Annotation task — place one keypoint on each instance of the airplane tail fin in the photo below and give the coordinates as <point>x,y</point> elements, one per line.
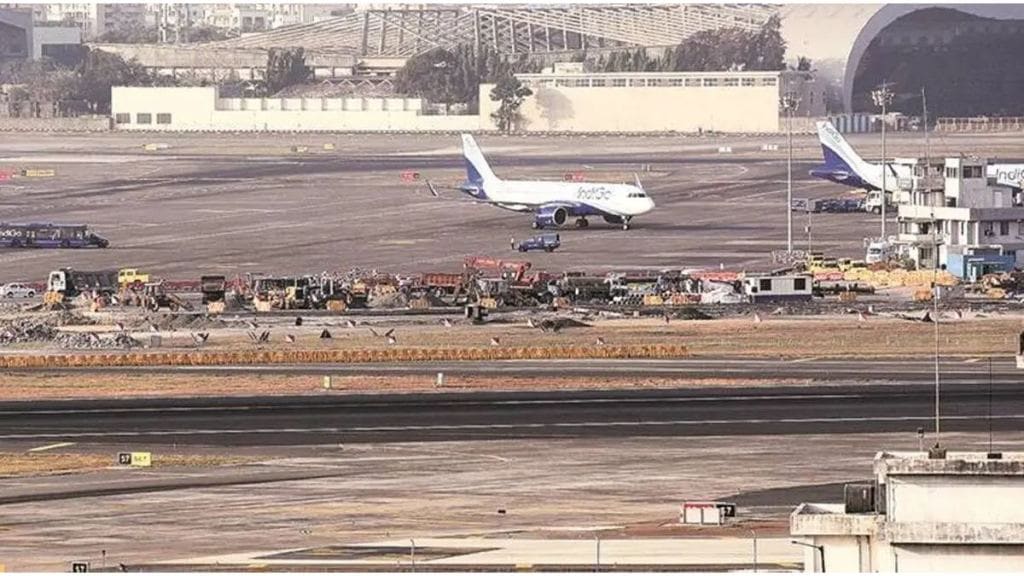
<point>477,170</point>
<point>839,155</point>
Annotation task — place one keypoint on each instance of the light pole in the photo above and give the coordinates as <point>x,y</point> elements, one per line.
<point>882,97</point>
<point>754,534</point>
<point>412,553</point>
<point>818,547</point>
<point>789,104</point>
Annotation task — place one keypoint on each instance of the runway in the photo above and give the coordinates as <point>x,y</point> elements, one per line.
<point>306,420</point>
<point>821,370</point>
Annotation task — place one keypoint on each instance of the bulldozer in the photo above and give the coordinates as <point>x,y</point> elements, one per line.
<point>155,297</point>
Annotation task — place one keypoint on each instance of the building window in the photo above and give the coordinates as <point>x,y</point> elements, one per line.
<point>597,83</point>
<point>769,81</point>
<point>800,284</point>
<point>562,83</point>
<point>143,118</point>
<point>693,83</point>
<point>731,82</point>
<point>637,82</point>
<point>1020,228</point>
<point>163,118</point>
<point>951,172</point>
<point>711,82</point>
<point>972,172</point>
<point>1004,228</point>
<point>618,82</point>
<point>765,285</point>
<point>747,82</point>
<point>123,118</point>
<point>675,81</point>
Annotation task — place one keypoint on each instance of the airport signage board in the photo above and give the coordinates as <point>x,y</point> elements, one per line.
<point>79,566</point>
<point>137,459</point>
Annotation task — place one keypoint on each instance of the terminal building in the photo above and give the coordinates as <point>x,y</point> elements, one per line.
<point>956,512</point>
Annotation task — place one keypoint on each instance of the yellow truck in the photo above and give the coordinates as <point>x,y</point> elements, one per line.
<point>131,277</point>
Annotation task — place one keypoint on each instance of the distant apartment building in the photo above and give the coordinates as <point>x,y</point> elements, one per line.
<point>92,19</point>
<point>21,39</point>
<point>952,215</point>
<point>923,512</point>
<point>247,18</point>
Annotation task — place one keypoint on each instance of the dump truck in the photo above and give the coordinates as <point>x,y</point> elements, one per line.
<point>213,288</point>
<point>69,282</point>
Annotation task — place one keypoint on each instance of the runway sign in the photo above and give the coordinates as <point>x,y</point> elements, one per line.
<point>137,459</point>
<point>79,566</point>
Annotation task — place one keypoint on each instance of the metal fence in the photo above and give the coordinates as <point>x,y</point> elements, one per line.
<point>981,124</point>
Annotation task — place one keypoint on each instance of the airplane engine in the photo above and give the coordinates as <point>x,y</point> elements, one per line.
<point>551,217</point>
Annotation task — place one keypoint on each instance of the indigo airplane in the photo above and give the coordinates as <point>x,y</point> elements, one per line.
<point>552,203</point>
<point>844,166</point>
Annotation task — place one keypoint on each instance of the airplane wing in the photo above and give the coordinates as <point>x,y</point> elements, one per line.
<point>437,191</point>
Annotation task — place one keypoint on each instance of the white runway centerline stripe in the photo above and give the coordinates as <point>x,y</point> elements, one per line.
<point>535,426</point>
<point>51,446</point>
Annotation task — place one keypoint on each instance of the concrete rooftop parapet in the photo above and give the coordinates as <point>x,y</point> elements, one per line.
<point>831,520</point>
<point>954,533</point>
<point>954,464</point>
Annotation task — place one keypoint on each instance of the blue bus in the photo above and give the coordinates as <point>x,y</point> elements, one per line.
<point>37,235</point>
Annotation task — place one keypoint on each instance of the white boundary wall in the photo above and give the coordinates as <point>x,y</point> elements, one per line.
<point>199,109</point>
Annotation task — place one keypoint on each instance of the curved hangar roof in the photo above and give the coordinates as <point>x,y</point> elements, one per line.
<point>836,36</point>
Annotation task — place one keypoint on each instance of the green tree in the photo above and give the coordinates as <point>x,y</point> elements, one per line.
<point>99,71</point>
<point>766,48</point>
<point>131,34</point>
<point>803,64</point>
<point>285,67</point>
<point>511,93</point>
<point>437,75</point>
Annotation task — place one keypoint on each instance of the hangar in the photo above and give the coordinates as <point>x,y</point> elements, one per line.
<point>950,49</point>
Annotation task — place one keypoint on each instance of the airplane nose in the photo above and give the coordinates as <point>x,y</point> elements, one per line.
<point>650,205</point>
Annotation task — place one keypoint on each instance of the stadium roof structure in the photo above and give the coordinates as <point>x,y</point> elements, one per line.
<point>508,29</point>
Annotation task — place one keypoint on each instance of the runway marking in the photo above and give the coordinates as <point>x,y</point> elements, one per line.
<point>51,446</point>
<point>187,409</point>
<point>536,426</point>
<point>972,360</point>
<point>802,360</point>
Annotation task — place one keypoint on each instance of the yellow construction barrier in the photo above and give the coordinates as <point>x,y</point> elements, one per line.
<point>339,356</point>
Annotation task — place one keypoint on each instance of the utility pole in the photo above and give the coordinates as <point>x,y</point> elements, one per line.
<point>882,97</point>
<point>789,104</point>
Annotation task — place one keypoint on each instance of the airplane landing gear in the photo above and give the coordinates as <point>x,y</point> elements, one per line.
<point>582,223</point>
<point>625,223</point>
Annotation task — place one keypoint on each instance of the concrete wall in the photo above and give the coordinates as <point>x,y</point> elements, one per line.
<point>641,109</point>
<point>200,109</point>
<point>974,500</point>
<point>82,124</point>
<point>739,102</point>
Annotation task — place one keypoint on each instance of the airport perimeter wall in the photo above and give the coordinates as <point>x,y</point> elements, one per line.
<point>81,124</point>
<point>200,109</point>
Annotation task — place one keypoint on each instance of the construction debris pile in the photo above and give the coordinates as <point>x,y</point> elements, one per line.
<point>27,329</point>
<point>94,341</point>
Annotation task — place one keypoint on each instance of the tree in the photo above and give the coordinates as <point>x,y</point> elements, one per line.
<point>767,49</point>
<point>437,75</point>
<point>511,93</point>
<point>803,64</point>
<point>131,34</point>
<point>99,71</point>
<point>285,67</point>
